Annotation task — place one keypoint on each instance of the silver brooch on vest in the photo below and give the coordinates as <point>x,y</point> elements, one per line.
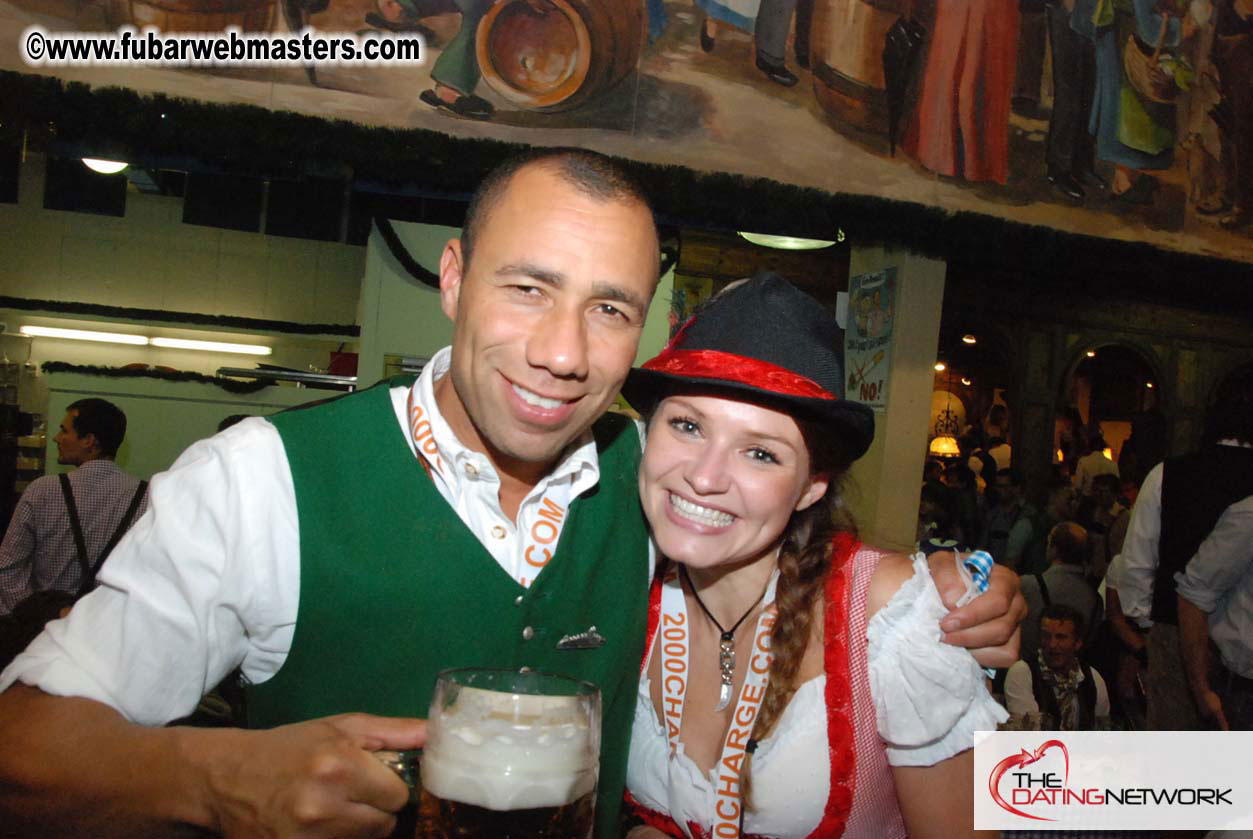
<point>589,639</point>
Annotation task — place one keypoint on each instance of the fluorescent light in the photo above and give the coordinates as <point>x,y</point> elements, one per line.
<point>211,346</point>
<point>104,167</point>
<point>790,243</point>
<point>84,335</point>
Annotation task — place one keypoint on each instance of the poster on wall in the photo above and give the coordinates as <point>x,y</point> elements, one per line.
<point>689,292</point>
<point>868,337</point>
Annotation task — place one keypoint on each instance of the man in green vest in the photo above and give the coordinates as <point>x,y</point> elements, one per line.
<point>485,514</point>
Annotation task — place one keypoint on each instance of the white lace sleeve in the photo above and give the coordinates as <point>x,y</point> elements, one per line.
<point>930,697</point>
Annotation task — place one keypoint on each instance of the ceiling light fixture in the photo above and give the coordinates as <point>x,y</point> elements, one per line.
<point>790,243</point>
<point>1090,353</point>
<point>104,167</point>
<point>940,367</point>
<point>84,335</point>
<point>1148,384</point>
<point>969,339</point>
<point>966,381</point>
<point>211,346</point>
<point>143,340</point>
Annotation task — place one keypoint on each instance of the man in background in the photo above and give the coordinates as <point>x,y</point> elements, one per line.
<point>1064,582</point>
<point>1216,615</point>
<point>40,551</point>
<point>1180,502</point>
<point>1054,681</point>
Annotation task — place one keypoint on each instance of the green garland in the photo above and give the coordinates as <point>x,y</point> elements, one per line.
<point>160,130</point>
<point>126,313</point>
<point>228,385</point>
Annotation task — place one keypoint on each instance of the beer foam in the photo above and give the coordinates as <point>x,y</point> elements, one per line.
<point>509,752</point>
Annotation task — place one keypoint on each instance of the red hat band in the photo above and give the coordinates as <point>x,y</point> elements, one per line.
<point>727,367</point>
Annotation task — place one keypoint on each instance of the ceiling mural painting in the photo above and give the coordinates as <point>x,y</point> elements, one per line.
<point>1125,119</point>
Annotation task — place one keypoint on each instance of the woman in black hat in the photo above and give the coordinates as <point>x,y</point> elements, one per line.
<point>795,685</point>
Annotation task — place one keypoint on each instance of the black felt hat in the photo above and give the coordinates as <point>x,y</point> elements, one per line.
<point>769,341</point>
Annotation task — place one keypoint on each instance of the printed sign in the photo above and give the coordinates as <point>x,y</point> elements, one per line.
<point>1113,780</point>
<point>868,337</point>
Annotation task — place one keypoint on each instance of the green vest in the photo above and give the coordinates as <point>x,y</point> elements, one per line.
<point>395,588</point>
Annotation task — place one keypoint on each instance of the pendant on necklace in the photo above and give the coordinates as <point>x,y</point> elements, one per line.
<point>726,667</point>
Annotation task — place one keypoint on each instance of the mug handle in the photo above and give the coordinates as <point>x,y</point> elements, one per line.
<point>405,764</point>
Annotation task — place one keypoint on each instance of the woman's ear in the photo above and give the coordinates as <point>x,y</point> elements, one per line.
<point>816,489</point>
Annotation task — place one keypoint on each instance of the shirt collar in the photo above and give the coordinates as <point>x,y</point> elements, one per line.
<point>579,462</point>
<point>99,464</point>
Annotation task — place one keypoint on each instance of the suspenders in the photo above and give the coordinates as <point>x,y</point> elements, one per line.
<point>90,569</point>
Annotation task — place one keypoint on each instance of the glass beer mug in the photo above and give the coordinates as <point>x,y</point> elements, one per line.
<point>509,755</point>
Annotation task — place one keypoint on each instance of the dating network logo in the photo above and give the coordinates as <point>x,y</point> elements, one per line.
<point>1025,780</point>
<point>1034,782</point>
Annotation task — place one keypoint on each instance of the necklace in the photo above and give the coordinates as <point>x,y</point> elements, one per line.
<point>726,641</point>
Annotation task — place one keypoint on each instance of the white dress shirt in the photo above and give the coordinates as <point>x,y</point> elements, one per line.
<point>1140,547</point>
<point>209,577</point>
<point>1218,580</point>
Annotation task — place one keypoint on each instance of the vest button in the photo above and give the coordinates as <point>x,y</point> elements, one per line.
<point>517,601</point>
<point>528,633</point>
<point>498,532</point>
<point>472,471</point>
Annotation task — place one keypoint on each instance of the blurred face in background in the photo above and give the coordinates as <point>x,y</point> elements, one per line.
<point>1060,644</point>
<point>1061,505</point>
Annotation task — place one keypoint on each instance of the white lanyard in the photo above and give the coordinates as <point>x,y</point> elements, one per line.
<point>539,541</point>
<point>674,641</point>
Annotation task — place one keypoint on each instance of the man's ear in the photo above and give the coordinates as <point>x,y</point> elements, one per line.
<point>91,440</point>
<point>451,266</point>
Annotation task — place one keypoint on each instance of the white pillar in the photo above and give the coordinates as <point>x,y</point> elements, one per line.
<point>884,489</point>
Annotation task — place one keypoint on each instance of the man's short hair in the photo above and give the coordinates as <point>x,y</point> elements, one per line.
<point>1062,612</point>
<point>591,173</point>
<point>103,419</point>
<point>1231,415</point>
<point>1109,481</point>
<point>1069,542</point>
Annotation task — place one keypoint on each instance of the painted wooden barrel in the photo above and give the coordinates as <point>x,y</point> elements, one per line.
<point>846,48</point>
<point>192,15</point>
<point>552,55</point>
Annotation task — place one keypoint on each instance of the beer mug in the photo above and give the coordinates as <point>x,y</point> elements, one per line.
<point>509,755</point>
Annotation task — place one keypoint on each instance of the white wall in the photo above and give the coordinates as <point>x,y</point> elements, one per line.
<point>162,418</point>
<point>150,259</point>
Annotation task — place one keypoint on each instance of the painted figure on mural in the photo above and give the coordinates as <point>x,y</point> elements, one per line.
<point>1132,131</point>
<point>1233,59</point>
<point>1069,149</point>
<point>960,126</point>
<point>769,21</point>
<point>456,72</point>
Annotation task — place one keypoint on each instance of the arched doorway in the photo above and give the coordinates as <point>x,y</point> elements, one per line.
<point>1111,401</point>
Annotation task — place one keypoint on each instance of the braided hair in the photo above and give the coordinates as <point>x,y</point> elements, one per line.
<point>804,562</point>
